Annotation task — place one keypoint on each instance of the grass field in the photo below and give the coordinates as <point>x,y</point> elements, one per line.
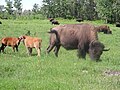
<point>18,71</point>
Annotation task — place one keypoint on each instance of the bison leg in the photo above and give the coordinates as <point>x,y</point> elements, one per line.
<point>57,50</point>
<point>29,50</point>
<point>13,48</point>
<point>50,47</point>
<point>2,48</point>
<point>38,51</point>
<point>16,48</point>
<point>81,52</point>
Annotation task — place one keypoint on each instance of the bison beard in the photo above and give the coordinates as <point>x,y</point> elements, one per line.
<point>76,36</point>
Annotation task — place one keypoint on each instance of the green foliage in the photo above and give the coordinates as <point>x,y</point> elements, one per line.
<point>36,8</point>
<point>18,71</point>
<point>69,8</point>
<point>109,9</point>
<point>18,6</point>
<point>9,7</point>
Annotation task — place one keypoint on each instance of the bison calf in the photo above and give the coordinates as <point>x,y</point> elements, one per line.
<point>32,42</point>
<point>10,41</point>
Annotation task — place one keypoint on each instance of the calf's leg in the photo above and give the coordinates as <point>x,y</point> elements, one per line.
<point>13,48</point>
<point>2,48</point>
<point>29,50</point>
<point>17,48</point>
<point>38,51</point>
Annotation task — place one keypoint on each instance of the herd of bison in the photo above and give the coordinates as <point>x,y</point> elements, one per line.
<point>82,36</point>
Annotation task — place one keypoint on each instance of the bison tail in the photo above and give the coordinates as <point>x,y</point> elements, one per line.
<point>57,36</point>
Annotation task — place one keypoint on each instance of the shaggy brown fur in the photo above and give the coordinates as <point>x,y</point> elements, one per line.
<point>76,36</point>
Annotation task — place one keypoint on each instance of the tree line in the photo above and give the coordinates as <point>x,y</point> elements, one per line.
<point>108,10</point>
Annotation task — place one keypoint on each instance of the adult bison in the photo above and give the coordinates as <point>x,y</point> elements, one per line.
<point>104,28</point>
<point>76,36</point>
<point>117,24</point>
<point>53,21</point>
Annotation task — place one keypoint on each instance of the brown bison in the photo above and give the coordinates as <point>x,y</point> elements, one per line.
<point>76,36</point>
<point>10,41</point>
<point>104,28</point>
<point>32,42</point>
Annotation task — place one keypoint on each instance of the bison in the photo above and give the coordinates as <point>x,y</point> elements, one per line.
<point>104,28</point>
<point>54,21</point>
<point>51,19</point>
<point>32,42</point>
<point>117,24</point>
<point>79,19</point>
<point>76,36</point>
<point>10,41</point>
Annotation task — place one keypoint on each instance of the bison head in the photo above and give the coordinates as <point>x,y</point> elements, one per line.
<point>96,49</point>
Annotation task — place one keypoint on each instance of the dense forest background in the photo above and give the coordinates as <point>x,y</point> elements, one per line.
<point>108,10</point>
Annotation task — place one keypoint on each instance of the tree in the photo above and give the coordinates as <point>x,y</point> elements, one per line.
<point>109,10</point>
<point>2,11</point>
<point>70,8</point>
<point>36,8</point>
<point>18,5</point>
<point>9,7</point>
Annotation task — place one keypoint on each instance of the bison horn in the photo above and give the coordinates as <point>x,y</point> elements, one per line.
<point>106,49</point>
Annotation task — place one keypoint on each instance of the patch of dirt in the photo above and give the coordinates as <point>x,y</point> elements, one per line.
<point>112,73</point>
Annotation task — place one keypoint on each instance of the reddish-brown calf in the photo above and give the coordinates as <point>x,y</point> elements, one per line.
<point>32,42</point>
<point>10,41</point>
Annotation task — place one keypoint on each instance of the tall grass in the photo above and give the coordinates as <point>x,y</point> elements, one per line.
<point>18,71</point>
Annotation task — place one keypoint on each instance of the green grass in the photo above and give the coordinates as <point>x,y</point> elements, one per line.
<point>18,71</point>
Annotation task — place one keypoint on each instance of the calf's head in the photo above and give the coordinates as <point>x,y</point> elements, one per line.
<point>18,41</point>
<point>22,38</point>
<point>96,49</point>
